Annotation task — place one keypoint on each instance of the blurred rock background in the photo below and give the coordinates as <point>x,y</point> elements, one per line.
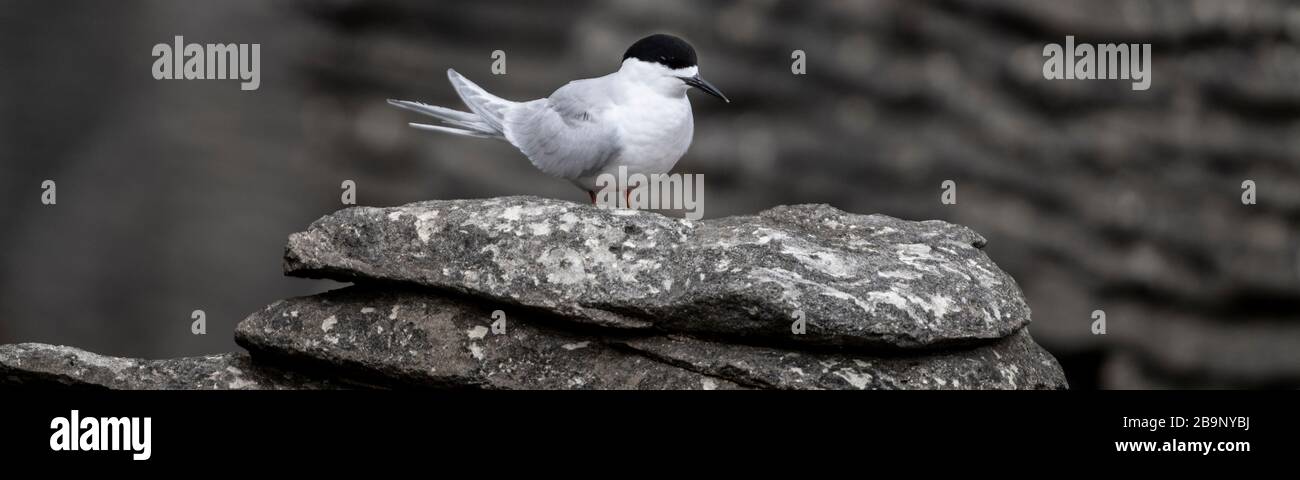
<point>178,195</point>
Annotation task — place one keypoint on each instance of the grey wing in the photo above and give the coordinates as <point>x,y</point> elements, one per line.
<point>561,134</point>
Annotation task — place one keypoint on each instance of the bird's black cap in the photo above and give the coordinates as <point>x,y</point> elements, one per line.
<point>668,50</point>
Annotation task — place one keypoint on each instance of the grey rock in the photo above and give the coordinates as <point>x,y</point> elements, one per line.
<point>1012,363</point>
<point>396,337</point>
<point>859,280</point>
<point>400,338</point>
<point>41,365</point>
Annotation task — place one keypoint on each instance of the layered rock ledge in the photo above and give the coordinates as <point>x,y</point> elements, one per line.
<point>530,293</point>
<point>41,365</point>
<point>862,280</point>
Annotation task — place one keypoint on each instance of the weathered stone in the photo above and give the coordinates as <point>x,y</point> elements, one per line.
<point>858,280</point>
<point>404,338</point>
<point>409,337</point>
<point>1012,363</point>
<point>41,365</point>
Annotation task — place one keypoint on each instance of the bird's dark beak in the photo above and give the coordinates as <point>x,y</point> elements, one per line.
<point>702,84</point>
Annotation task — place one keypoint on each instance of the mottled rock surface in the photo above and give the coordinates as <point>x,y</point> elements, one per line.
<point>412,339</point>
<point>858,280</point>
<point>41,365</point>
<point>1012,363</point>
<point>529,293</point>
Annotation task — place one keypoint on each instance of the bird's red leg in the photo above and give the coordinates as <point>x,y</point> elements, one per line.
<point>593,196</point>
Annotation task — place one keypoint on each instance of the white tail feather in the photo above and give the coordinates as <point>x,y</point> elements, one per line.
<point>453,131</point>
<point>458,122</point>
<point>489,108</point>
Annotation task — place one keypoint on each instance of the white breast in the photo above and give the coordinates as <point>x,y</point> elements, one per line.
<point>654,132</point>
